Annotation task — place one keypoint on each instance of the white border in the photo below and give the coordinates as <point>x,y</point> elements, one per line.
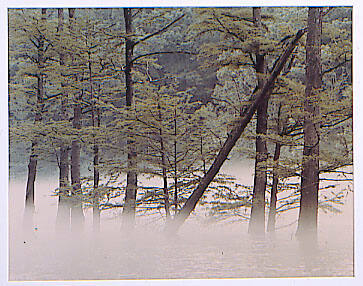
<point>170,3</point>
<point>358,135</point>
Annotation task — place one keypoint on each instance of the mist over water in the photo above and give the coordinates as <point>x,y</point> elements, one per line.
<point>198,250</point>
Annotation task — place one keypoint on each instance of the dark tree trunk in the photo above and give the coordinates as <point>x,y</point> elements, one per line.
<point>280,130</point>
<point>33,159</point>
<point>163,167</point>
<point>96,122</point>
<point>202,155</point>
<point>77,217</point>
<point>307,223</point>
<point>175,167</point>
<point>257,219</point>
<point>76,211</point>
<point>275,180</point>
<point>262,95</point>
<point>63,214</point>
<point>96,197</point>
<point>30,190</point>
<point>131,180</point>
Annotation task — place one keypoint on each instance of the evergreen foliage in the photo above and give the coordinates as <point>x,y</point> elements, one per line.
<point>192,73</point>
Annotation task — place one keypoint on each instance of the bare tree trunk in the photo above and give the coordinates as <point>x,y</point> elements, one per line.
<point>63,214</point>
<point>33,159</point>
<point>96,122</point>
<point>280,130</point>
<point>275,180</point>
<point>163,167</point>
<point>307,223</point>
<point>175,167</point>
<point>29,194</point>
<point>262,95</point>
<point>202,155</point>
<point>96,197</point>
<point>77,217</point>
<point>131,184</point>
<point>257,219</point>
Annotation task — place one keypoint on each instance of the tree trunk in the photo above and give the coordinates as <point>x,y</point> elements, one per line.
<point>33,160</point>
<point>29,194</point>
<point>175,167</point>
<point>131,180</point>
<point>96,121</point>
<point>307,223</point>
<point>280,130</point>
<point>275,180</point>
<point>63,214</point>
<point>202,155</point>
<point>257,219</point>
<point>262,95</point>
<point>96,198</point>
<point>64,208</point>
<point>163,167</point>
<point>77,217</point>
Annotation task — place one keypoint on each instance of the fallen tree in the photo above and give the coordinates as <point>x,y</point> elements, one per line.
<point>259,96</point>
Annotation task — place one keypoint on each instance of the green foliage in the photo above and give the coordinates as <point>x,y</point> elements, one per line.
<point>185,100</point>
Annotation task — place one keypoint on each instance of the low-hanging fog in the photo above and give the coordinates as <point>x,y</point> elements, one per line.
<point>199,250</point>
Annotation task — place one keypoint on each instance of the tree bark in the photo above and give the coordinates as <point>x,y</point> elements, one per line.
<point>163,168</point>
<point>129,209</point>
<point>63,214</point>
<point>33,159</point>
<point>96,197</point>
<point>261,95</point>
<point>307,222</point>
<point>175,167</point>
<point>275,180</point>
<point>280,130</point>
<point>77,217</point>
<point>96,122</point>
<point>257,219</point>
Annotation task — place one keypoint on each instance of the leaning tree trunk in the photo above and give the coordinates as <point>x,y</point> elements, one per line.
<point>77,217</point>
<point>233,136</point>
<point>257,219</point>
<point>308,215</point>
<point>33,160</point>
<point>131,180</point>
<point>63,214</point>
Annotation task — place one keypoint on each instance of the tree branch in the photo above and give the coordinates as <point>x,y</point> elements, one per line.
<point>159,31</point>
<point>160,53</point>
<point>324,13</point>
<point>226,29</point>
<point>336,66</point>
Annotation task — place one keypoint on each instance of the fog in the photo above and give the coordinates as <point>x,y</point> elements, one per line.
<point>199,250</point>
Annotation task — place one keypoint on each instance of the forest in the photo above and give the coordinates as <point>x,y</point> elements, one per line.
<point>136,112</point>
